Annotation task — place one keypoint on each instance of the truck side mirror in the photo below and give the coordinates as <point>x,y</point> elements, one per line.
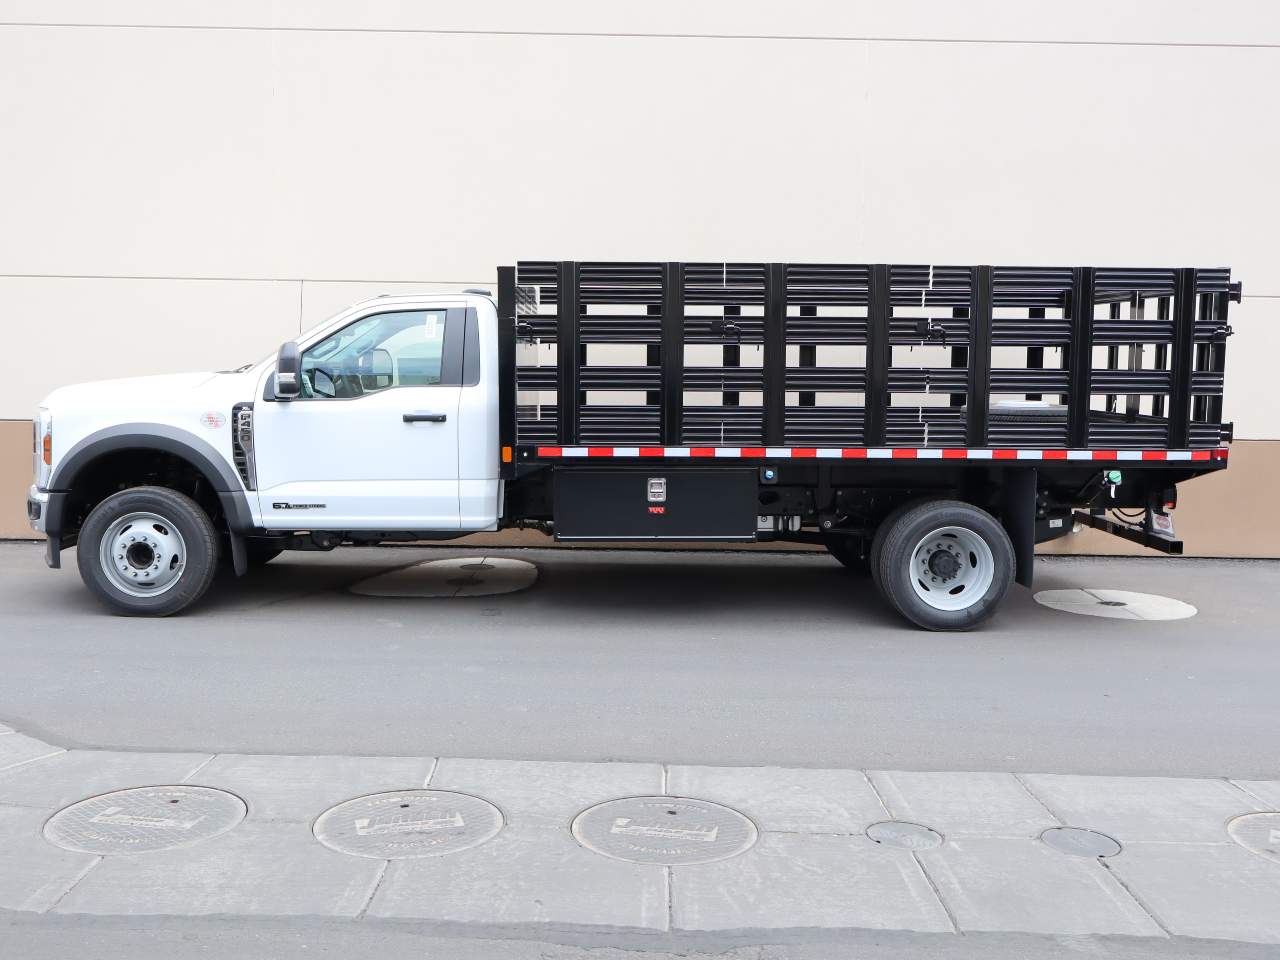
<point>288,371</point>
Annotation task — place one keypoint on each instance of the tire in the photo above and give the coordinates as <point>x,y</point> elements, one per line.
<point>944,564</point>
<point>877,541</point>
<point>135,531</point>
<point>845,549</point>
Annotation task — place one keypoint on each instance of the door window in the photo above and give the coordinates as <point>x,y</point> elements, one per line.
<point>386,350</point>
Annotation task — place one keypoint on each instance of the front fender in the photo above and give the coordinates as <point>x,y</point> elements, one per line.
<point>213,466</point>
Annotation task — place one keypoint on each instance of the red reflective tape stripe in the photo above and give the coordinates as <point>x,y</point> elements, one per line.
<point>804,451</point>
<point>1054,454</point>
<point>652,452</point>
<point>904,453</point>
<point>599,451</point>
<point>1104,454</point>
<point>1154,455</point>
<point>550,451</point>
<point>753,451</point>
<point>1199,454</point>
<point>853,453</point>
<point>702,451</point>
<point>1004,454</point>
<point>954,453</point>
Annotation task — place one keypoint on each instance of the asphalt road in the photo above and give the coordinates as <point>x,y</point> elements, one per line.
<point>712,658</point>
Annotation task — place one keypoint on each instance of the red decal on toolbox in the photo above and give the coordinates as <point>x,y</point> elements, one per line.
<point>804,452</point>
<point>953,453</point>
<point>1199,454</point>
<point>549,451</point>
<point>853,453</point>
<point>904,453</point>
<point>702,451</point>
<point>599,451</point>
<point>1104,455</point>
<point>1004,454</point>
<point>1054,454</point>
<point>753,451</point>
<point>1153,455</point>
<point>652,452</point>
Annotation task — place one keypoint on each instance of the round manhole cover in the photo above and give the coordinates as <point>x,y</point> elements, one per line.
<point>408,823</point>
<point>900,833</point>
<point>1259,832</point>
<point>666,830</point>
<point>1079,842</point>
<point>144,819</point>
<point>1116,604</point>
<point>456,577</point>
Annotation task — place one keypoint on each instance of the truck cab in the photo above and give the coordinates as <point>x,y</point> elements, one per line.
<point>389,429</point>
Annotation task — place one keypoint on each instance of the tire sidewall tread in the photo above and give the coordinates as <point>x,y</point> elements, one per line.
<point>198,533</point>
<point>903,530</point>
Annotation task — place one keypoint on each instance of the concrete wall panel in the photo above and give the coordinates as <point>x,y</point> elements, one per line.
<point>1087,21</point>
<point>78,330</point>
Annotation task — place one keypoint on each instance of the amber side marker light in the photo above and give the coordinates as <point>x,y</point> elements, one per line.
<point>506,454</point>
<point>48,449</point>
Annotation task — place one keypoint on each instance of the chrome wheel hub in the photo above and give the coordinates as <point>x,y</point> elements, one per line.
<point>952,568</point>
<point>142,554</point>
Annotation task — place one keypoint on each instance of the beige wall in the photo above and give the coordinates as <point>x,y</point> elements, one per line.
<point>187,182</point>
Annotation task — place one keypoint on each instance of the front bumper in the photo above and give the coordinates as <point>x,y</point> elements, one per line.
<point>44,513</point>
<point>37,508</point>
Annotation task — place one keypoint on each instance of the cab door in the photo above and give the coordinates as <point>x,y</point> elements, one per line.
<point>372,441</point>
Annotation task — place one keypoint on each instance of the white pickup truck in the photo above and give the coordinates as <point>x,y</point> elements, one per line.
<point>413,418</point>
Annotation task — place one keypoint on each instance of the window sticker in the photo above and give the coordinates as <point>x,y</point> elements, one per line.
<point>432,326</point>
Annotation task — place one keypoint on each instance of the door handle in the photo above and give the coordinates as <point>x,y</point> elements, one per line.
<point>425,416</point>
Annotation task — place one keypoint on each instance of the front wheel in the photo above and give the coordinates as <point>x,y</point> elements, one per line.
<point>945,564</point>
<point>148,551</point>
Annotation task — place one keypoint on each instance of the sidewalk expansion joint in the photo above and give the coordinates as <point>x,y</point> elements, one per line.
<point>72,885</point>
<point>1146,908</point>
<point>373,889</point>
<point>1032,794</point>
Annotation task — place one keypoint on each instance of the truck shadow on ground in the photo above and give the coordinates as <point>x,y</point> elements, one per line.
<point>655,587</point>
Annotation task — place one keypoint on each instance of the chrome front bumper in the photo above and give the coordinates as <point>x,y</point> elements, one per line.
<point>37,508</point>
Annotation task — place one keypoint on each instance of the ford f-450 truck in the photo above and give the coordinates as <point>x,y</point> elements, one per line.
<point>928,424</point>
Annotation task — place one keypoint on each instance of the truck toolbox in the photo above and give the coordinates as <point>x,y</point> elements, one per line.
<point>667,504</point>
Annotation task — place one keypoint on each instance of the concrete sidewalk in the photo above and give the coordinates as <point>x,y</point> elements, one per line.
<point>1179,872</point>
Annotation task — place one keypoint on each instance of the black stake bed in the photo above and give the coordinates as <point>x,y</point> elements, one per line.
<point>852,361</point>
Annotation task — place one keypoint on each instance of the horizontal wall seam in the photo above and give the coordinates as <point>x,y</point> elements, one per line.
<point>602,34</point>
<point>125,276</point>
<point>122,276</point>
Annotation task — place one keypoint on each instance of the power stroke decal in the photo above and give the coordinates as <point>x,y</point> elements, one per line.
<point>299,506</point>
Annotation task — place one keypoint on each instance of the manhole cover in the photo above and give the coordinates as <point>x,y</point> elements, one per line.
<point>1117,604</point>
<point>457,577</point>
<point>408,823</point>
<point>1259,832</point>
<point>1079,842</point>
<point>667,830</point>
<point>900,833</point>
<point>144,819</point>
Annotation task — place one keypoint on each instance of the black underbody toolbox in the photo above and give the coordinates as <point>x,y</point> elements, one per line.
<point>655,504</point>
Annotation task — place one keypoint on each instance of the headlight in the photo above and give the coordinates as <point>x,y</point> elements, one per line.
<point>42,448</point>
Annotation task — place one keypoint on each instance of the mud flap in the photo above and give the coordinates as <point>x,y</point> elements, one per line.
<point>1018,515</point>
<point>239,554</point>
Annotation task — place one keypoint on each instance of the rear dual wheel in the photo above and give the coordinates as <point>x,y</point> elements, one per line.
<point>942,564</point>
